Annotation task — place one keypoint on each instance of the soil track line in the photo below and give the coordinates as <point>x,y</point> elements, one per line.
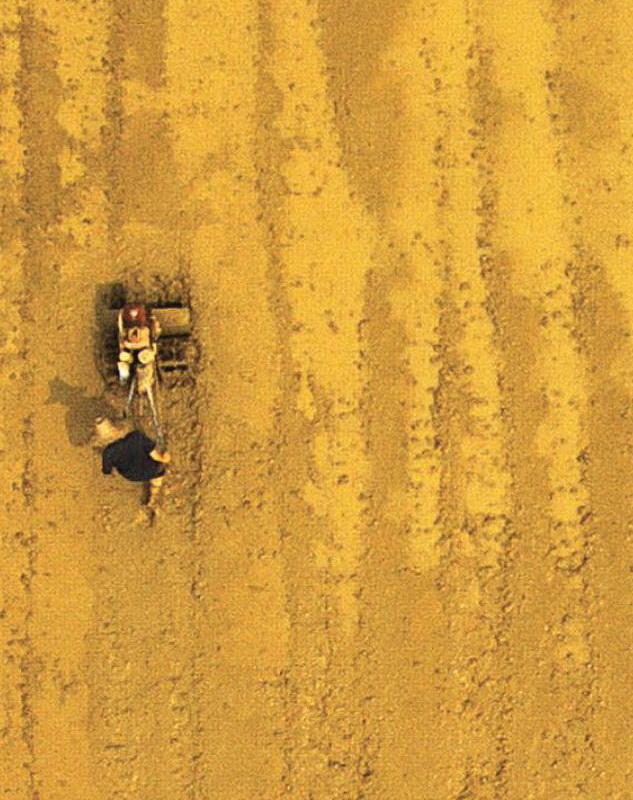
<point>311,766</point>
<point>147,644</point>
<point>38,100</point>
<point>315,226</point>
<point>61,198</point>
<point>436,591</point>
<point>365,46</point>
<point>531,304</point>
<point>477,551</point>
<point>589,105</point>
<point>17,766</point>
<point>212,60</point>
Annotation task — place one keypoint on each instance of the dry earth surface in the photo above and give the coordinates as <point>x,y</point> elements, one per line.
<point>396,558</point>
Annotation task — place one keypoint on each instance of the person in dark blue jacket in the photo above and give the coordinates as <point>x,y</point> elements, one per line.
<point>132,454</point>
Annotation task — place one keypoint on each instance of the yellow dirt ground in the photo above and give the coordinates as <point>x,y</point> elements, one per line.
<point>396,558</point>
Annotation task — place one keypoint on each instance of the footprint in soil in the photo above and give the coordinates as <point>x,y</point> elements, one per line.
<point>81,410</point>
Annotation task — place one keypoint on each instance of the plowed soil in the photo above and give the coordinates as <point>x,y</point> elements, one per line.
<point>394,560</point>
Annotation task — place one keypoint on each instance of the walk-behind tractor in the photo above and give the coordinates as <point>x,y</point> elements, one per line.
<point>145,344</point>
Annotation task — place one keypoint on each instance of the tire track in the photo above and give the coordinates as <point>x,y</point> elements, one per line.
<point>243,667</point>
<point>305,677</point>
<point>296,112</point>
<point>16,603</point>
<point>468,580</point>
<point>59,202</point>
<point>479,532</point>
<point>115,735</point>
<point>524,409</point>
<point>149,736</point>
<point>469,571</point>
<point>415,568</point>
<point>318,216</point>
<point>356,38</point>
<point>38,97</point>
<point>587,112</point>
<point>531,304</point>
<point>521,406</point>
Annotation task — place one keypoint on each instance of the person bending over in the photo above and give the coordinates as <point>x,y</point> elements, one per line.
<point>133,454</point>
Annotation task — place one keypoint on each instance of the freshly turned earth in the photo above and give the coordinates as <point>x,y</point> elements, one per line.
<point>394,560</point>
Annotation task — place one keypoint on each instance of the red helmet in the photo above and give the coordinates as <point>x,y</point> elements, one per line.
<point>135,315</point>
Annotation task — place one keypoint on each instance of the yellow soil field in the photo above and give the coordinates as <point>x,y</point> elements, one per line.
<point>395,560</point>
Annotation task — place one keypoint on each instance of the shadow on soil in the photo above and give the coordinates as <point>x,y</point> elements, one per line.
<point>81,410</point>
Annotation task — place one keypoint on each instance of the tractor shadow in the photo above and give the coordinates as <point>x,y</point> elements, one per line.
<point>109,298</point>
<point>81,410</point>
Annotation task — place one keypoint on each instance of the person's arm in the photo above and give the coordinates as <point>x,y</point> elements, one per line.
<point>164,458</point>
<point>106,461</point>
<point>153,452</point>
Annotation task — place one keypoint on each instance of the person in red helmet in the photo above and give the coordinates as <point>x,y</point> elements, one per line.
<point>138,334</point>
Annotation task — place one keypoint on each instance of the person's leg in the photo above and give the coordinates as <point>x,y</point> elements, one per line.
<point>154,490</point>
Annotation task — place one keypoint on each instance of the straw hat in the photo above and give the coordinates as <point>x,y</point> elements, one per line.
<point>107,431</point>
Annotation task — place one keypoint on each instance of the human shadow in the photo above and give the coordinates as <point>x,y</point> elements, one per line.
<point>81,410</point>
